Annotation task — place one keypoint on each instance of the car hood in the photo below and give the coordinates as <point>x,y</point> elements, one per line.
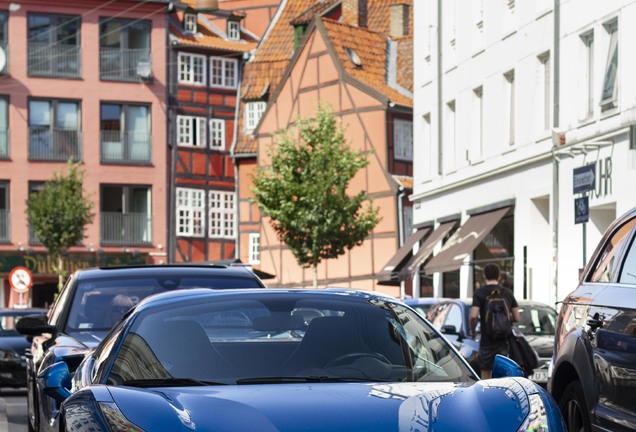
<point>542,344</point>
<point>498,404</point>
<point>14,343</point>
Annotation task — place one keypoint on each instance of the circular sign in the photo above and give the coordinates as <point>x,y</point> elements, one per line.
<point>20,279</point>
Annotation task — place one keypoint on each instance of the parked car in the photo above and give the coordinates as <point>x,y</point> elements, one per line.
<point>244,360</point>
<point>89,304</point>
<point>538,323</point>
<point>13,347</point>
<point>422,304</point>
<point>452,318</point>
<point>594,364</point>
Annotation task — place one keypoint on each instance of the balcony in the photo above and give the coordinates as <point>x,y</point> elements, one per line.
<point>125,229</point>
<point>54,60</point>
<point>126,148</point>
<point>5,226</point>
<point>117,64</point>
<point>54,145</point>
<point>4,144</point>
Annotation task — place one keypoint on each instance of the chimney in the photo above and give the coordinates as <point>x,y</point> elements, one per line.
<point>399,25</point>
<point>354,13</point>
<point>206,5</point>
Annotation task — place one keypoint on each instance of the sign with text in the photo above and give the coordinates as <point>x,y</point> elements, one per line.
<point>584,179</point>
<point>581,210</point>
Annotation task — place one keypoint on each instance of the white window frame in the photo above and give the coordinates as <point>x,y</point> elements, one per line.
<point>233,30</point>
<point>217,134</point>
<point>509,94</point>
<point>253,113</point>
<point>222,214</point>
<point>588,74</point>
<point>186,128</point>
<point>192,69</point>
<point>223,72</point>
<point>403,139</point>
<point>543,90</point>
<point>190,208</point>
<point>478,124</point>
<point>190,23</point>
<point>611,69</point>
<point>254,248</point>
<point>450,137</point>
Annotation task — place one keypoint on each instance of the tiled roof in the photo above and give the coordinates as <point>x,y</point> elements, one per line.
<point>405,181</point>
<point>206,38</point>
<point>317,8</point>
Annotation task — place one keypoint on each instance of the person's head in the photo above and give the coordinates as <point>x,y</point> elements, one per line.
<point>119,305</point>
<point>492,272</point>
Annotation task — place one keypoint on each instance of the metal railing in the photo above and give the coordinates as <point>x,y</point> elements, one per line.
<point>54,60</point>
<point>128,148</point>
<point>121,64</point>
<point>4,144</point>
<point>5,226</point>
<point>54,145</point>
<point>125,228</point>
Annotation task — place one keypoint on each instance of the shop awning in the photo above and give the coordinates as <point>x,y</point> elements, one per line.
<point>389,274</point>
<point>464,241</point>
<point>426,249</point>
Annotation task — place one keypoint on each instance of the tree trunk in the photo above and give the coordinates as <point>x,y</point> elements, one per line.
<point>315,276</point>
<point>60,273</point>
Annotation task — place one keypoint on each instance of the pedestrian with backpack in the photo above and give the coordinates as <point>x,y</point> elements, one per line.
<point>496,308</point>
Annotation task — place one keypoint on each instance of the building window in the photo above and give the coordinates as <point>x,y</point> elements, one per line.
<point>191,131</point>
<point>253,113</point>
<point>190,211</point>
<point>588,75</point>
<point>125,215</point>
<point>509,107</point>
<point>4,41</point>
<point>34,188</point>
<point>190,23</point>
<point>478,124</point>
<point>124,49</point>
<point>4,212</point>
<point>223,72</point>
<point>125,134</point>
<point>191,69</point>
<point>54,130</point>
<point>255,248</point>
<point>217,134</point>
<point>610,84</point>
<point>222,215</point>
<point>450,133</point>
<point>53,47</point>
<point>4,128</point>
<point>233,30</point>
<point>427,145</point>
<point>403,140</point>
<point>543,91</point>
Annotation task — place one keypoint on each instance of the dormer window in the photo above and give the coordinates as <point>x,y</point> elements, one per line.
<point>190,23</point>
<point>233,30</point>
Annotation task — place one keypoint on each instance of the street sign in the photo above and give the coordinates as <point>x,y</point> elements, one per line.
<point>584,179</point>
<point>20,279</point>
<point>581,210</point>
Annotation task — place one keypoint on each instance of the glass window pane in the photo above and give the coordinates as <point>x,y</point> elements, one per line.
<point>39,28</point>
<point>66,116</point>
<point>39,113</point>
<point>137,119</point>
<point>110,117</point>
<point>67,31</point>
<point>3,114</point>
<point>139,35</point>
<point>110,34</point>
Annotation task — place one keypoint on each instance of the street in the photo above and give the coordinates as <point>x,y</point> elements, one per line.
<point>13,410</point>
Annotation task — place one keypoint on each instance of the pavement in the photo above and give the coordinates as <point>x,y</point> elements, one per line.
<point>4,421</point>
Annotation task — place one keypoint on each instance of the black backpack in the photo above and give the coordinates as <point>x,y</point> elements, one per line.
<point>498,319</point>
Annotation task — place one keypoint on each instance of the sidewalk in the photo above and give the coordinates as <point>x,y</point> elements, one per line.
<point>4,422</point>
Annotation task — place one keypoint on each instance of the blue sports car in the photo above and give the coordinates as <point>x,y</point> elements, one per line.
<point>287,360</point>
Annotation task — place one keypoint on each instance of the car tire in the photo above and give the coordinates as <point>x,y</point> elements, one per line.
<point>574,408</point>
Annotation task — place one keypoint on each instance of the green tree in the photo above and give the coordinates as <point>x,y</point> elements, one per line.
<point>304,191</point>
<point>58,215</point>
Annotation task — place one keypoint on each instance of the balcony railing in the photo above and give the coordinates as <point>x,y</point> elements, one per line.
<point>54,145</point>
<point>54,60</point>
<point>122,64</point>
<point>129,229</point>
<point>126,148</point>
<point>4,144</point>
<point>5,226</point>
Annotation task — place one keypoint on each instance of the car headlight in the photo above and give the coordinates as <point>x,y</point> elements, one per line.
<point>9,356</point>
<point>537,419</point>
<point>115,419</point>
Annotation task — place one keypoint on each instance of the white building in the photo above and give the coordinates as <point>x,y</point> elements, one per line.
<point>504,115</point>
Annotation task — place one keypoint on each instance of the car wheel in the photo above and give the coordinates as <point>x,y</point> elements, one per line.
<point>574,408</point>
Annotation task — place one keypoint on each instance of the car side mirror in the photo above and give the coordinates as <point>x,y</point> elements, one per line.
<point>34,325</point>
<point>449,329</point>
<point>506,367</point>
<point>56,381</point>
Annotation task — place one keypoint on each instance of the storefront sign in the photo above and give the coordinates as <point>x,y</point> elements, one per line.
<point>40,263</point>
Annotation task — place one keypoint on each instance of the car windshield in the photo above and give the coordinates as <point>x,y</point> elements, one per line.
<point>99,303</point>
<point>537,320</point>
<point>285,337</point>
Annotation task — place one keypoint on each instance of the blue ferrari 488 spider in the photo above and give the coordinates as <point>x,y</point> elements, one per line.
<point>287,360</point>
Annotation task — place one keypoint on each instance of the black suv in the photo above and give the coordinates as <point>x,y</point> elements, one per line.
<point>593,374</point>
<point>90,303</point>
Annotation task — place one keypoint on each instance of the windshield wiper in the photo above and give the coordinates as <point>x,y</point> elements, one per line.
<point>169,382</point>
<point>308,379</point>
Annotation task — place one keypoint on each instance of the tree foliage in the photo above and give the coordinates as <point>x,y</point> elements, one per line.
<point>304,191</point>
<point>59,214</point>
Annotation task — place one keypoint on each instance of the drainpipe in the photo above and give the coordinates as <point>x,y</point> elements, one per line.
<point>440,146</point>
<point>555,159</point>
<point>401,234</point>
<point>170,164</point>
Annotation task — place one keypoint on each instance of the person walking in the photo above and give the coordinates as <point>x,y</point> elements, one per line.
<point>496,308</point>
